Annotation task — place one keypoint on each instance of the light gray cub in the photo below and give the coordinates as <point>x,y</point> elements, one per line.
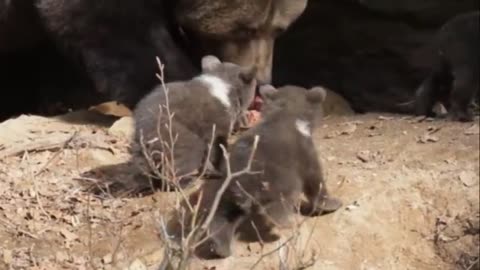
<point>219,96</point>
<point>287,162</point>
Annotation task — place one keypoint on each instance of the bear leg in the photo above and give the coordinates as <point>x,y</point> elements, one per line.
<point>464,88</point>
<point>220,236</point>
<point>279,213</point>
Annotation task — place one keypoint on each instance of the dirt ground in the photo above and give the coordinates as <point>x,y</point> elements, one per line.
<point>410,188</point>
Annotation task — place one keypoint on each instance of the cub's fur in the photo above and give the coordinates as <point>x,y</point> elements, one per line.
<point>218,96</point>
<point>286,163</point>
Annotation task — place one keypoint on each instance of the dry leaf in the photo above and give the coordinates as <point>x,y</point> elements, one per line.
<point>112,108</point>
<point>364,156</point>
<point>69,236</point>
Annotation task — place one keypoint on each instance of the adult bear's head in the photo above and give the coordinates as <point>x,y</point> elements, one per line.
<point>238,31</point>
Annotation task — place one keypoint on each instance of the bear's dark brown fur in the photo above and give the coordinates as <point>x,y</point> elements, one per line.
<point>115,43</point>
<point>454,78</point>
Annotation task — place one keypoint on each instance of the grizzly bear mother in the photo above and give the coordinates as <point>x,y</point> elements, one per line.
<point>115,42</point>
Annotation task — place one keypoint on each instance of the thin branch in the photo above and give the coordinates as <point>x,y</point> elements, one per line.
<point>271,252</point>
<point>230,177</point>
<point>35,186</point>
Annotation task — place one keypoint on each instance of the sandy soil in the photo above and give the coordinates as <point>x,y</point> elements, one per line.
<point>410,188</point>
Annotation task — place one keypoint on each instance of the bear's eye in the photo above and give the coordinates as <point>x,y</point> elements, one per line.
<point>245,32</point>
<point>277,31</point>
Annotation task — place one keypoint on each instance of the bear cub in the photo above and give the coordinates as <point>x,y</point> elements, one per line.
<point>454,78</point>
<point>284,166</point>
<point>180,139</point>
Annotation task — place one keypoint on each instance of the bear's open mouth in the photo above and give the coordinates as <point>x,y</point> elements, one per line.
<point>254,111</point>
<point>256,103</point>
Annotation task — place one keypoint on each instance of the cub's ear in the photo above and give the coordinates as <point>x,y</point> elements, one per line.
<point>247,75</point>
<point>268,92</point>
<point>317,94</point>
<point>210,62</point>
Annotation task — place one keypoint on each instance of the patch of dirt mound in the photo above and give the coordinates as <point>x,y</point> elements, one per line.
<point>410,187</point>
<point>457,239</point>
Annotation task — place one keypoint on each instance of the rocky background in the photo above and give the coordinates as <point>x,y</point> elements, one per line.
<point>373,52</point>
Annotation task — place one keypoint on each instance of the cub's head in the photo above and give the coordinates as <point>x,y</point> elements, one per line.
<point>293,100</point>
<point>229,81</point>
<point>238,31</point>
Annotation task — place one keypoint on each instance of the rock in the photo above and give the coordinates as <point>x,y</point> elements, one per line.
<point>154,257</point>
<point>7,256</point>
<point>107,259</point>
<point>349,128</point>
<point>335,104</point>
<point>29,127</point>
<point>352,206</point>
<point>468,179</point>
<point>472,130</point>
<point>439,109</point>
<point>124,127</point>
<point>136,265</point>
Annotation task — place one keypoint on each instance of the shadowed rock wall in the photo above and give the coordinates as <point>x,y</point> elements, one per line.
<point>373,52</point>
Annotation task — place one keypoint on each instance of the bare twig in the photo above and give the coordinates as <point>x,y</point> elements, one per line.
<point>230,177</point>
<point>271,252</point>
<point>473,264</point>
<point>257,232</point>
<point>48,144</point>
<point>90,233</point>
<point>16,228</point>
<point>209,153</point>
<point>65,144</point>
<point>35,186</point>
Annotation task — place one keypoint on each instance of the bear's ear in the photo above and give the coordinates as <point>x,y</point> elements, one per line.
<point>210,62</point>
<point>268,92</point>
<point>248,74</point>
<point>317,94</point>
